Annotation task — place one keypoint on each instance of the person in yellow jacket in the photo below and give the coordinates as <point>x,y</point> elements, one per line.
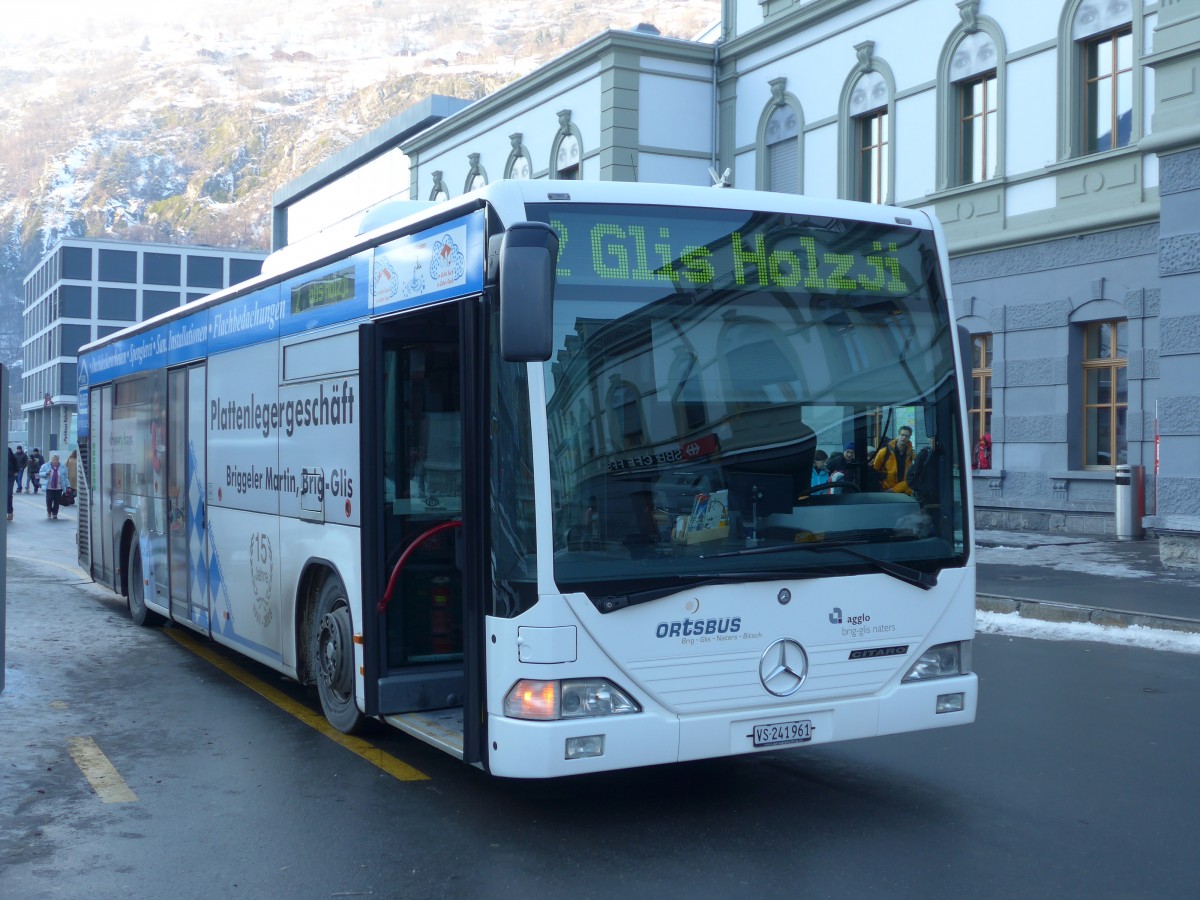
<point>893,460</point>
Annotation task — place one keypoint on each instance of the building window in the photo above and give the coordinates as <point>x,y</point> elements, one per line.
<point>1105,394</point>
<point>117,303</point>
<point>77,263</point>
<point>625,423</point>
<point>567,159</point>
<point>205,271</point>
<point>1099,79</point>
<point>241,269</point>
<point>783,150</point>
<point>519,164</point>
<point>157,302</point>
<point>72,337</point>
<point>118,265</point>
<point>973,71</point>
<point>981,401</point>
<point>160,268</point>
<point>476,174</point>
<point>439,190</point>
<point>1108,91</point>
<point>566,162</point>
<point>868,110</point>
<point>872,180</point>
<point>76,301</point>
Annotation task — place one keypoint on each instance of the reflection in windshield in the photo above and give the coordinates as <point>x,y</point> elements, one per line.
<point>692,419</point>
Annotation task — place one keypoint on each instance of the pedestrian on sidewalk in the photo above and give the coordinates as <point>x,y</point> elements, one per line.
<point>72,467</point>
<point>36,461</point>
<point>22,462</point>
<point>54,474</point>
<point>13,470</point>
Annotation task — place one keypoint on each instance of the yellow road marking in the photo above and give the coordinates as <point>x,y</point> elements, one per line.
<point>372,754</point>
<point>110,787</point>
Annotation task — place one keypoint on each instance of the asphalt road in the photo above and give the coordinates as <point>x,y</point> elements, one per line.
<point>1078,779</point>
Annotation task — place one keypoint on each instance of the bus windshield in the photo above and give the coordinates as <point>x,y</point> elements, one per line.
<point>747,395</point>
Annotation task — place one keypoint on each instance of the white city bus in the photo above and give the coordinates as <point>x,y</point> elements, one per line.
<point>528,474</point>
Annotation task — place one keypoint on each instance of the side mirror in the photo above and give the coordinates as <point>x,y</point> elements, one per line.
<point>966,345</point>
<point>528,257</point>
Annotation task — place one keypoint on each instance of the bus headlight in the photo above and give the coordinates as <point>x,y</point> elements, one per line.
<point>571,698</point>
<point>941,661</point>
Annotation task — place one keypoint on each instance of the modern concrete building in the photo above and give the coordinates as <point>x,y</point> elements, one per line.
<point>84,289</point>
<point>371,170</point>
<point>1058,142</point>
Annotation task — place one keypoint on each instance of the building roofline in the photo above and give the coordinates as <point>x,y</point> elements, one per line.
<point>128,244</point>
<point>585,54</point>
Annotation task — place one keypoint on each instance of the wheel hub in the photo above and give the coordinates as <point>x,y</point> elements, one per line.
<point>334,651</point>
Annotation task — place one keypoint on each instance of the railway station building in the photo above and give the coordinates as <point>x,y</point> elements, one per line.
<point>1057,142</point>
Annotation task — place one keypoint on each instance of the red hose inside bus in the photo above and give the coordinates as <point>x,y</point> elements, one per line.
<point>420,539</point>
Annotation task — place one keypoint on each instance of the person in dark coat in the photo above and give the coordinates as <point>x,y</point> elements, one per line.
<point>13,470</point>
<point>34,466</point>
<point>22,462</point>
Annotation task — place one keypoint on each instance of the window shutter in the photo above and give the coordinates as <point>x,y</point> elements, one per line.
<point>783,167</point>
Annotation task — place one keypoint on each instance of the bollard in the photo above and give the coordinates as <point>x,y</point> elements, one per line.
<point>1130,502</point>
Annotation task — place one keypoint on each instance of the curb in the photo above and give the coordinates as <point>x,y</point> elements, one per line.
<point>1048,611</point>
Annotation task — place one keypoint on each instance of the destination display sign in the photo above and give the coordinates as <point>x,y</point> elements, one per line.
<point>667,247</point>
<point>323,290</point>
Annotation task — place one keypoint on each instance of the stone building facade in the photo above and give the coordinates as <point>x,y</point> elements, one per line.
<point>1057,142</point>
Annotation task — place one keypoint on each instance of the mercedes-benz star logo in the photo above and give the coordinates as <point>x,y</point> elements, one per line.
<point>783,667</point>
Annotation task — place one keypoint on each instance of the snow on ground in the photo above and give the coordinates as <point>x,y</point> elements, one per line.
<point>1013,625</point>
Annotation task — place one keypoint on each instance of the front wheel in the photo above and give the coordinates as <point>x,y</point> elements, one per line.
<point>332,656</point>
<point>138,611</point>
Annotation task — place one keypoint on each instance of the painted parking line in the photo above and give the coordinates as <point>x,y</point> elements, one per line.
<point>372,754</point>
<point>107,782</point>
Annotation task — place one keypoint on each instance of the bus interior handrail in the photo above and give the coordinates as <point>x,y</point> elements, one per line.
<point>420,539</point>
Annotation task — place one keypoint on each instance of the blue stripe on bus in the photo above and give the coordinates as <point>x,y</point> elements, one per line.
<point>433,265</point>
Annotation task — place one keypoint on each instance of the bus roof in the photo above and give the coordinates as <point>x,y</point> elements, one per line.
<point>509,199</point>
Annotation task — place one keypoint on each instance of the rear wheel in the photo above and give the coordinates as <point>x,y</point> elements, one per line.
<point>332,656</point>
<point>138,611</point>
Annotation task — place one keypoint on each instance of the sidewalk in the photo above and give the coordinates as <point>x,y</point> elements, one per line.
<point>32,534</point>
<point>1084,578</point>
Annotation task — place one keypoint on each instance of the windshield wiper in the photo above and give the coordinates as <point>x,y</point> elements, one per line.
<point>621,601</point>
<point>907,574</point>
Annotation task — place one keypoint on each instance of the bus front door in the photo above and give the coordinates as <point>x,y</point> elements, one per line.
<point>413,555</point>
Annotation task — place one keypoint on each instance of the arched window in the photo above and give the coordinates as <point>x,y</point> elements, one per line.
<point>1100,76</point>
<point>1105,393</point>
<point>868,130</point>
<point>476,174</point>
<point>780,146</point>
<point>566,158</point>
<point>687,391</point>
<point>520,163</point>
<point>566,161</point>
<point>625,423</point>
<point>982,346</point>
<point>439,191</point>
<point>970,85</point>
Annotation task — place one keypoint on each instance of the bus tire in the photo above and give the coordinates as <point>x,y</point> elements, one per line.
<point>332,657</point>
<point>138,611</point>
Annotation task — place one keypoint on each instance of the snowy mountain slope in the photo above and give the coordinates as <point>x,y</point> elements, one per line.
<point>177,126</point>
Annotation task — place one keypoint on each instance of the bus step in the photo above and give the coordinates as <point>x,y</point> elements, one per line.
<point>441,728</point>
